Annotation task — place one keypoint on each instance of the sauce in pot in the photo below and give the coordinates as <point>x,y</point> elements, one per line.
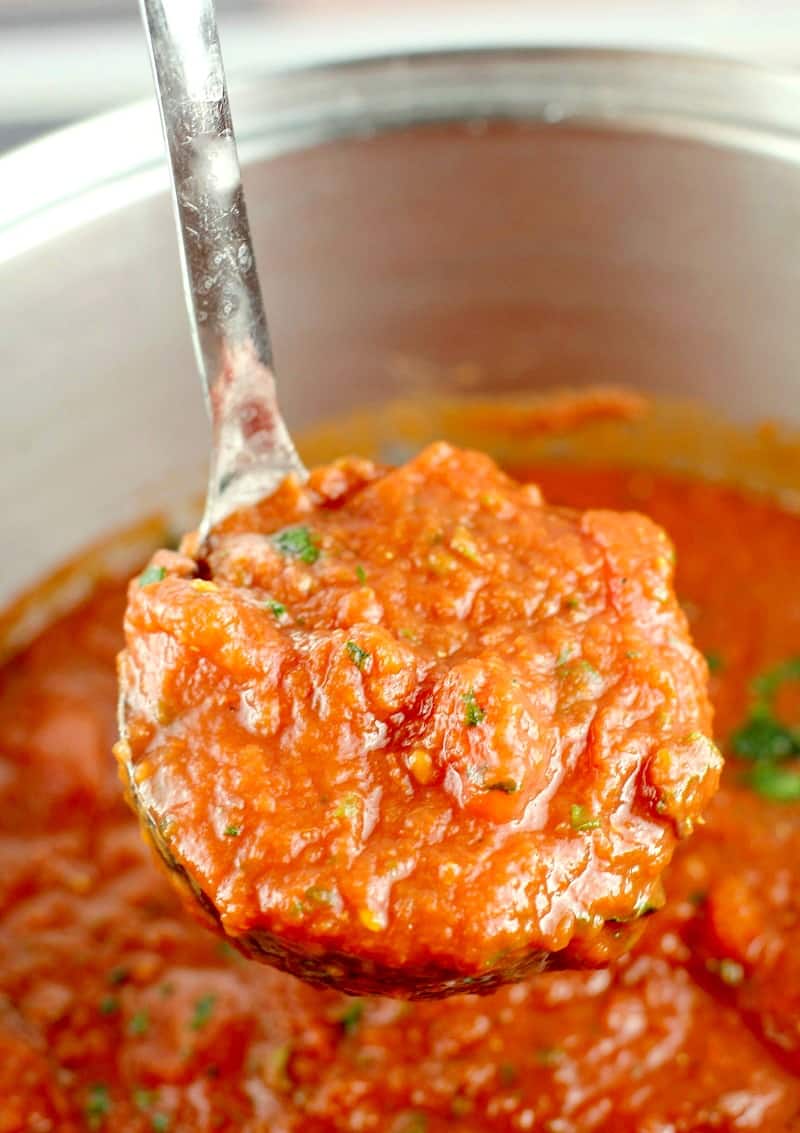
<point>118,1014</point>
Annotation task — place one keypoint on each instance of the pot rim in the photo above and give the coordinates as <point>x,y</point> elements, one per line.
<point>116,159</point>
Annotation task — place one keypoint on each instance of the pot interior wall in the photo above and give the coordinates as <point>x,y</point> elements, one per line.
<point>466,258</point>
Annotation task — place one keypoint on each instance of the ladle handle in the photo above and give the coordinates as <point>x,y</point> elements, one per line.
<point>223,295</point>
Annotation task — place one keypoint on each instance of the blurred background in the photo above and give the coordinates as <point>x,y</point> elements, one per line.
<point>65,59</point>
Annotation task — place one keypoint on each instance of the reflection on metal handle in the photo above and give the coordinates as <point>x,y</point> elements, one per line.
<point>252,449</point>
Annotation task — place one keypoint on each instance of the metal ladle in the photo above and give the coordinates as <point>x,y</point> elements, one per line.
<point>251,452</point>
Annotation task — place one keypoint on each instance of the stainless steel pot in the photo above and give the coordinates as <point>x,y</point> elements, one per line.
<point>545,217</point>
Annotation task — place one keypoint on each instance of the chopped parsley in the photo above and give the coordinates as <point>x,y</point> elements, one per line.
<point>226,951</point>
<point>473,713</point>
<point>549,1055</point>
<point>152,574</point>
<point>781,784</point>
<point>143,1099</point>
<point>347,806</point>
<point>319,896</point>
<point>139,1024</point>
<point>361,658</point>
<point>297,543</point>
<point>109,1005</point>
<point>203,1010</point>
<point>361,575</point>
<point>762,737</point>
<point>232,831</point>
<point>277,609</point>
<point>98,1105</point>
<point>279,1060</point>
<point>767,684</point>
<point>351,1015</point>
<point>582,819</point>
<point>118,975</point>
<point>508,1074</point>
<point>412,1121</point>
<point>715,662</point>
<point>768,742</point>
<point>507,786</point>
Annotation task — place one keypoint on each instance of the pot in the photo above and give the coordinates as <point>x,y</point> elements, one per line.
<point>489,222</point>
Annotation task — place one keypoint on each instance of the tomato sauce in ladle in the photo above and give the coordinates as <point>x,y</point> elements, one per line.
<point>404,731</point>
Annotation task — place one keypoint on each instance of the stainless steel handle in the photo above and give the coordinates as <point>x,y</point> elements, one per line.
<point>252,450</point>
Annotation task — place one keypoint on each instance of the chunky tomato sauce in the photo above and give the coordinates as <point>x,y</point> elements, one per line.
<point>413,730</point>
<point>117,1013</point>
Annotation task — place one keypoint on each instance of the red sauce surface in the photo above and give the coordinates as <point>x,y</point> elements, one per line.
<point>117,1013</point>
<point>415,730</point>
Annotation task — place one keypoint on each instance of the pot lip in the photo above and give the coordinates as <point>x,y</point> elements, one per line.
<point>116,159</point>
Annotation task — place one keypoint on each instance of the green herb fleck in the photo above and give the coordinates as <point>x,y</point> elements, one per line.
<point>109,1005</point>
<point>762,737</point>
<point>226,950</point>
<point>144,1099</point>
<point>715,662</point>
<point>361,658</point>
<point>473,713</point>
<point>277,609</point>
<point>582,819</point>
<point>351,1015</point>
<point>160,1122</point>
<point>117,976</point>
<point>319,896</point>
<point>507,1073</point>
<point>581,670</point>
<point>152,574</point>
<point>278,1064</point>
<point>98,1105</point>
<point>507,786</point>
<point>361,575</point>
<point>347,806</point>
<point>549,1056</point>
<point>781,784</point>
<point>767,684</point>
<point>203,1010</point>
<point>411,1122</point>
<point>232,831</point>
<point>139,1024</point>
<point>297,543</point>
<point>766,741</point>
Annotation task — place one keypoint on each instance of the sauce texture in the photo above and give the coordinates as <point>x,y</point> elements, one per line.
<point>118,1015</point>
<point>412,731</point>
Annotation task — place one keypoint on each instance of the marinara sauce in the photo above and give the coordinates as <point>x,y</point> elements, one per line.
<point>117,1013</point>
<point>413,731</point>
